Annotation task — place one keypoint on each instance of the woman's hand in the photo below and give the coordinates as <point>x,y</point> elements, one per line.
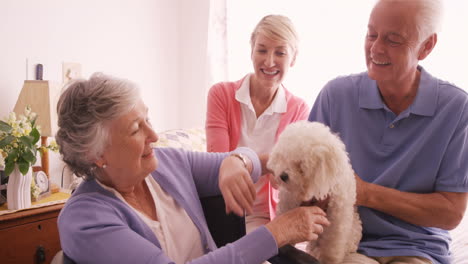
<point>300,224</point>
<point>236,185</point>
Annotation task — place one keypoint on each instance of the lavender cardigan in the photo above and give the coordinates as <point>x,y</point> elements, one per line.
<point>96,227</point>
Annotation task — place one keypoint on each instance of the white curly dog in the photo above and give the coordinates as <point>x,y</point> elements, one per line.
<point>310,164</point>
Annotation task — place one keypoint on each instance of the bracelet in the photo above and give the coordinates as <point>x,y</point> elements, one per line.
<point>241,157</point>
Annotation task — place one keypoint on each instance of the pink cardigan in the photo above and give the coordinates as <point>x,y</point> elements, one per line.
<point>223,121</point>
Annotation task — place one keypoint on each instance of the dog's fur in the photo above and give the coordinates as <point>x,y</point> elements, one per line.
<point>309,162</point>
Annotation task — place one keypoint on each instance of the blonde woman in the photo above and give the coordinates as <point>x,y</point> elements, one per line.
<point>254,110</point>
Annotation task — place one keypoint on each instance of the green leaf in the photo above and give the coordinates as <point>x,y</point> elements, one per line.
<point>36,135</point>
<point>7,140</point>
<point>9,166</point>
<point>34,152</point>
<point>14,155</point>
<point>23,166</point>
<point>5,127</point>
<point>34,160</point>
<point>29,156</point>
<point>33,122</point>
<point>27,141</point>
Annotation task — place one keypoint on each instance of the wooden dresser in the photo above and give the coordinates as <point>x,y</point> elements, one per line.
<point>30,236</point>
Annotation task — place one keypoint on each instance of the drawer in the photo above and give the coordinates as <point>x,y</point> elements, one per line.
<point>22,243</point>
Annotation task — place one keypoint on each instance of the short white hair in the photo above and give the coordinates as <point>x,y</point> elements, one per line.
<point>428,18</point>
<point>84,111</point>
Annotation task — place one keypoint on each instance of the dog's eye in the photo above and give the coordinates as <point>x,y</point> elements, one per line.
<point>284,176</point>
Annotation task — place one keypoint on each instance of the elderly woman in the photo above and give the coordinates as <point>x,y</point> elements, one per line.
<point>253,111</point>
<point>141,205</point>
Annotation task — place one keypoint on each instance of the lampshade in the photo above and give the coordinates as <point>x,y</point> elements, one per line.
<point>42,97</point>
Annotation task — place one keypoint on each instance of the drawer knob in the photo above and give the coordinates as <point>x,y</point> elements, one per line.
<point>40,254</point>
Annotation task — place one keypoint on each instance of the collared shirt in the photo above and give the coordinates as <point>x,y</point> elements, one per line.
<point>259,134</point>
<point>421,150</point>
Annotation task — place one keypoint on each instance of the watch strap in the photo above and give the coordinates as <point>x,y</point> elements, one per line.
<point>241,157</point>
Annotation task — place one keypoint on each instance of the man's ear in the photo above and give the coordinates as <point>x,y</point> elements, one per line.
<point>427,46</point>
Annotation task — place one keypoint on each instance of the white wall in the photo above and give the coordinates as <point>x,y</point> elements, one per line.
<point>193,69</point>
<point>332,41</point>
<point>135,39</point>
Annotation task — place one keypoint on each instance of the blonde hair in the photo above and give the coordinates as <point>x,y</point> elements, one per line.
<point>278,28</point>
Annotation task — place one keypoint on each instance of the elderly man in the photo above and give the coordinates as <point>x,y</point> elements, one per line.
<point>406,133</point>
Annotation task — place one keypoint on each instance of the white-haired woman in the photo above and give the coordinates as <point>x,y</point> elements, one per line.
<point>253,111</point>
<point>141,205</point>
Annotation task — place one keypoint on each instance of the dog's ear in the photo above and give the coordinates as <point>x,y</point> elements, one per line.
<point>298,167</point>
<point>320,169</point>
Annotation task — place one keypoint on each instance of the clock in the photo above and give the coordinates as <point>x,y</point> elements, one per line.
<point>42,182</point>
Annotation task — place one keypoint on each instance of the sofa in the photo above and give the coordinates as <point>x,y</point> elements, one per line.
<point>190,139</point>
<point>195,139</point>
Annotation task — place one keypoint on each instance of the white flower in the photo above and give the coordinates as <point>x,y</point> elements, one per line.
<point>17,133</point>
<point>11,118</point>
<point>53,146</point>
<point>14,148</point>
<point>27,110</point>
<point>34,190</point>
<point>32,116</point>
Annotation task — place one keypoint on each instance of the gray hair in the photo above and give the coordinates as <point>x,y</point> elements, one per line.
<point>278,28</point>
<point>84,111</point>
<point>428,18</point>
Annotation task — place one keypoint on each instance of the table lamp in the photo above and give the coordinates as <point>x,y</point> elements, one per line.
<point>42,97</point>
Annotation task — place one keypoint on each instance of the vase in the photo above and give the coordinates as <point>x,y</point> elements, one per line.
<point>19,189</point>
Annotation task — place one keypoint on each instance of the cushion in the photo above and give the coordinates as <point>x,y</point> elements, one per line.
<point>190,139</point>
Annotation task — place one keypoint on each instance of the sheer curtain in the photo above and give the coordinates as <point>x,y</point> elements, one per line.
<point>202,56</point>
<point>332,41</point>
<point>217,41</point>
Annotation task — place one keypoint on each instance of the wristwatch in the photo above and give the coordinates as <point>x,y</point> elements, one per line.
<point>241,157</point>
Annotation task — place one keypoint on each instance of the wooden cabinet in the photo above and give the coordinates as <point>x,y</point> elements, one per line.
<point>30,236</point>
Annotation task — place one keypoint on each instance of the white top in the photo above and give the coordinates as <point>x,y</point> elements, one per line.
<point>259,134</point>
<point>174,224</point>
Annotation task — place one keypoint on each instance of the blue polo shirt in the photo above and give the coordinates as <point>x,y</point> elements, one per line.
<point>422,150</point>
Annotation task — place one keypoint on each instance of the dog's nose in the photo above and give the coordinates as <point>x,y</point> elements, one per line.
<point>284,176</point>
